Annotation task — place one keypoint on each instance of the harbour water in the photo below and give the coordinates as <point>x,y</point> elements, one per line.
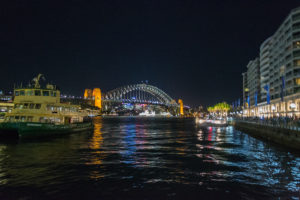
<point>149,158</point>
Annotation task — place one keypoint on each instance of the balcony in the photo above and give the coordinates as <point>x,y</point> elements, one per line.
<point>296,17</point>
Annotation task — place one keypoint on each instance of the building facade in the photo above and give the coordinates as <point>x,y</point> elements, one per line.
<point>279,72</point>
<point>253,82</point>
<point>264,68</point>
<point>245,89</point>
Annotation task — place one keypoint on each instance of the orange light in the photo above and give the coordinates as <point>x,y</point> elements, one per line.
<point>97,95</point>
<point>87,93</point>
<point>181,106</point>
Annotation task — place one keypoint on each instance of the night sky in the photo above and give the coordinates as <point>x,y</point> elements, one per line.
<point>194,50</point>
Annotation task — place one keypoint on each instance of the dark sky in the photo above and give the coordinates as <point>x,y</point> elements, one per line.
<point>194,50</point>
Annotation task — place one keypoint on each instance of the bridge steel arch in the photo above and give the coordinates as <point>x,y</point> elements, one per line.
<point>119,93</point>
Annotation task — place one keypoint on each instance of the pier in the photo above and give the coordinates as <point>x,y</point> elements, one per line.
<point>286,134</point>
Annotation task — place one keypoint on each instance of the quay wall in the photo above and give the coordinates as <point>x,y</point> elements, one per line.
<point>283,136</point>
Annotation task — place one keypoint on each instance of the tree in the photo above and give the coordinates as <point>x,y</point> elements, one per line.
<point>220,108</point>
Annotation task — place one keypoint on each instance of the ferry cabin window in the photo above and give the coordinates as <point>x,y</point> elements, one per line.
<point>29,118</point>
<point>23,118</point>
<point>25,105</point>
<point>19,106</point>
<point>37,92</point>
<point>17,93</point>
<point>31,106</point>
<point>37,106</point>
<point>49,107</point>
<point>29,93</point>
<point>42,119</point>
<point>45,93</point>
<point>22,93</point>
<point>54,94</point>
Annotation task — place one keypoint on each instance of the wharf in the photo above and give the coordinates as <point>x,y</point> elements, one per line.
<point>288,136</point>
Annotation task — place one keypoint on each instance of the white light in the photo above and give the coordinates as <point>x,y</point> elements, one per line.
<point>201,121</point>
<point>292,105</point>
<point>273,108</point>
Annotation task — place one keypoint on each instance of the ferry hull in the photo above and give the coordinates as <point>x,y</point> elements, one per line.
<point>34,130</point>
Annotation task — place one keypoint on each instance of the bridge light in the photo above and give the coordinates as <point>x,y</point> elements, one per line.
<point>181,106</point>
<point>97,96</point>
<point>88,93</point>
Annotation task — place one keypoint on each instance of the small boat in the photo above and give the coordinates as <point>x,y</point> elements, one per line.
<point>38,112</point>
<point>212,122</point>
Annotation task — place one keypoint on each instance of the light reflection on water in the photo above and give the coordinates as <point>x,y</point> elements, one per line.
<point>149,158</point>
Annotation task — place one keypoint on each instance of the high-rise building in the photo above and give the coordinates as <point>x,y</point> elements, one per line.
<point>253,81</point>
<point>264,59</point>
<point>245,89</point>
<point>278,70</point>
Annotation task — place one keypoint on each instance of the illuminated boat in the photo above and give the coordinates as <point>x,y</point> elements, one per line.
<point>147,113</point>
<point>38,112</point>
<point>212,122</point>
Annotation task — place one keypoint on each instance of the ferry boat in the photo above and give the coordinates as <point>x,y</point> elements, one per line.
<point>38,112</point>
<point>218,122</point>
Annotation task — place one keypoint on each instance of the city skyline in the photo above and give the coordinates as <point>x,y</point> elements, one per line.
<point>108,45</point>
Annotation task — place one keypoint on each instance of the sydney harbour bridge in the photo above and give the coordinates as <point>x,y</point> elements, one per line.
<point>134,94</point>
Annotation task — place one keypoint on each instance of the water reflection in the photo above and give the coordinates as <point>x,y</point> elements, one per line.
<point>95,144</point>
<point>149,158</point>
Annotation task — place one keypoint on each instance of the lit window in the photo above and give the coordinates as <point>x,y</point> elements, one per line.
<point>23,118</point>
<point>29,118</point>
<point>297,62</point>
<point>29,93</point>
<point>297,80</point>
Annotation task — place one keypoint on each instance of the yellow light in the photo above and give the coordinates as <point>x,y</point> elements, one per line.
<point>181,106</point>
<point>97,95</point>
<point>87,93</point>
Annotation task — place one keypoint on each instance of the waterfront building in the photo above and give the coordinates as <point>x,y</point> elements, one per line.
<point>253,82</point>
<point>264,68</point>
<point>279,72</point>
<point>245,89</point>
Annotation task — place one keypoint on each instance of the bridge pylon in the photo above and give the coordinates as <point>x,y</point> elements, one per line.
<point>87,94</point>
<point>93,97</point>
<point>180,102</point>
<point>97,96</point>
